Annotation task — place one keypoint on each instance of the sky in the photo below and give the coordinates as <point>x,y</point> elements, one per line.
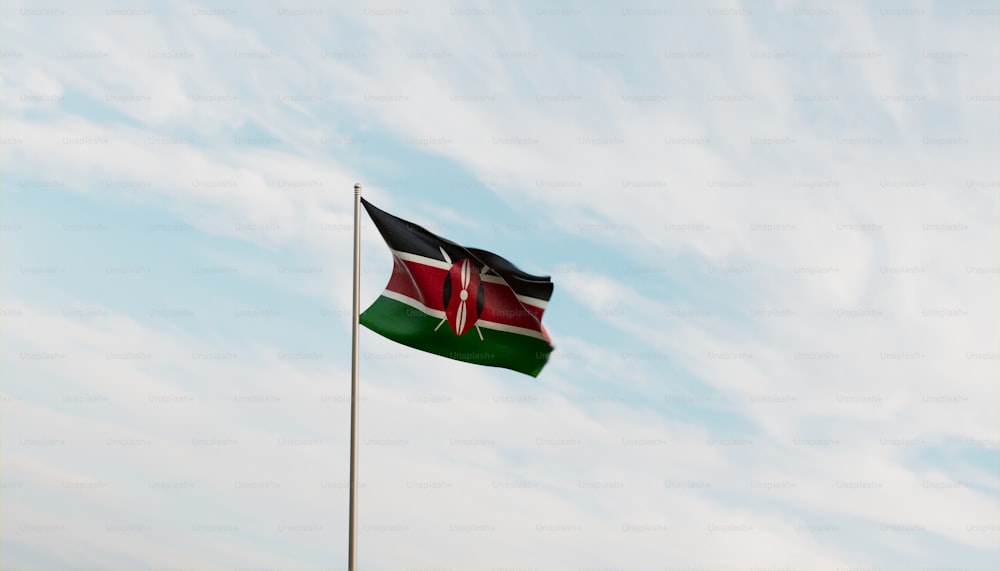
<point>772,228</point>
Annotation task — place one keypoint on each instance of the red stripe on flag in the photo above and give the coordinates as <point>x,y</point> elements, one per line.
<point>418,281</point>
<point>426,284</point>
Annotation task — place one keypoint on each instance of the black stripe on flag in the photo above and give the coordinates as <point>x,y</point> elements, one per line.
<point>408,237</point>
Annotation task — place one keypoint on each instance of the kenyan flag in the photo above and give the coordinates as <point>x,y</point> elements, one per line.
<point>461,303</point>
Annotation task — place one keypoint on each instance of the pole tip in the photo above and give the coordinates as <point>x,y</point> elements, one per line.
<point>357,186</point>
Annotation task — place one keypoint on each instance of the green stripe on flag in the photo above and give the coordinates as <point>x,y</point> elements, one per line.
<point>407,325</point>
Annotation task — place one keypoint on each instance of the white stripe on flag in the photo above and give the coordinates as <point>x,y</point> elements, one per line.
<point>408,257</point>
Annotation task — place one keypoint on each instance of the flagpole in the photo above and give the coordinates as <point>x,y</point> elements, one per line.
<point>352,538</point>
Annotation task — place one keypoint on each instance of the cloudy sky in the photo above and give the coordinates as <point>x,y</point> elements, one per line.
<point>772,229</point>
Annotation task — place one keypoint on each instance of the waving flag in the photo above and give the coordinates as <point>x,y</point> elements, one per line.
<point>461,303</point>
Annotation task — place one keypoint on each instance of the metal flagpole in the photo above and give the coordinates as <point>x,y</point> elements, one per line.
<point>352,538</point>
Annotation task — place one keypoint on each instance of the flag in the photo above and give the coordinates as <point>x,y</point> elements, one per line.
<point>462,303</point>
